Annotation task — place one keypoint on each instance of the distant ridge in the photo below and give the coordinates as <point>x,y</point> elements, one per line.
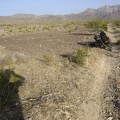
<point>105,12</point>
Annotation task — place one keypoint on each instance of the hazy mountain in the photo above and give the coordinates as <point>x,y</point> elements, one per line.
<point>24,15</point>
<point>105,12</point>
<point>102,12</point>
<point>113,15</point>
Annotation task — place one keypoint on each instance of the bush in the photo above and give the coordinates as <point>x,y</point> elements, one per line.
<point>46,28</point>
<point>70,26</point>
<point>116,23</point>
<point>97,25</point>
<point>81,56</point>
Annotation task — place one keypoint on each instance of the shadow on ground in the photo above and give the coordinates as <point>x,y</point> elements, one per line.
<point>82,34</point>
<point>10,106</point>
<point>95,44</point>
<point>84,44</point>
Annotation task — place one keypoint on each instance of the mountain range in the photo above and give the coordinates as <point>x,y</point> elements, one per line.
<point>105,12</point>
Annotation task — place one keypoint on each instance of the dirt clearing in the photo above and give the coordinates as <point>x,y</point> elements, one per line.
<point>61,90</point>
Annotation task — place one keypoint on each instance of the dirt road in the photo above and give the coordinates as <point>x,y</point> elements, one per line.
<point>94,105</point>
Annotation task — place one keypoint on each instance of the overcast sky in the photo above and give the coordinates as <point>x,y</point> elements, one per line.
<point>40,7</point>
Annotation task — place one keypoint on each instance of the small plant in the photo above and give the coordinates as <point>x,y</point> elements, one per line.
<point>81,56</point>
<point>10,31</point>
<point>46,28</point>
<point>29,30</point>
<point>97,25</point>
<point>48,59</point>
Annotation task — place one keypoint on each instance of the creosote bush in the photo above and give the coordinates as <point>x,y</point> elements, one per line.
<point>81,56</point>
<point>97,25</point>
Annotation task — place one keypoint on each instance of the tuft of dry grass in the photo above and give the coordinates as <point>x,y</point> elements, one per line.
<point>48,59</point>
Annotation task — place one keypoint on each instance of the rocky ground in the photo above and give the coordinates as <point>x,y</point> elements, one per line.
<point>57,89</point>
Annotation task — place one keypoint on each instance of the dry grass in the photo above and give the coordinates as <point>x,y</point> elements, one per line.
<point>12,29</point>
<point>57,89</point>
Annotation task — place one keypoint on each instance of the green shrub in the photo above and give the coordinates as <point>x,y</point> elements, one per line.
<point>97,25</point>
<point>116,23</point>
<point>81,56</point>
<point>10,31</point>
<point>46,28</point>
<point>69,25</point>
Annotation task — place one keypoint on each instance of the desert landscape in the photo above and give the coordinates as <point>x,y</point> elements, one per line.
<point>61,76</point>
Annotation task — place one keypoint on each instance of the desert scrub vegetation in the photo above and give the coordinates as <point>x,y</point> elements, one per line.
<point>60,91</point>
<point>97,25</point>
<point>79,57</point>
<point>48,59</point>
<point>116,23</point>
<point>71,26</point>
<point>10,29</point>
<point>9,83</point>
